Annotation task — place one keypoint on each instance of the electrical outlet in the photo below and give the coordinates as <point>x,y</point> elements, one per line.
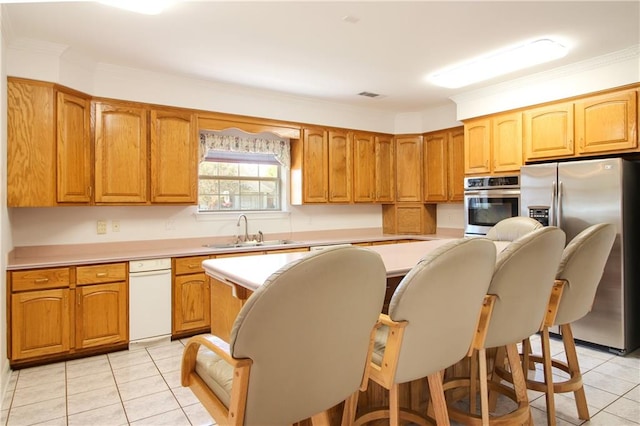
<point>101,226</point>
<point>115,226</point>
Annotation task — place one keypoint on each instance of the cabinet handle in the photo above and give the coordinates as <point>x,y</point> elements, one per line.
<point>41,280</point>
<point>78,297</point>
<point>101,274</point>
<point>192,266</point>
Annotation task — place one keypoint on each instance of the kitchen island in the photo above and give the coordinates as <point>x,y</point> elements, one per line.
<point>234,279</point>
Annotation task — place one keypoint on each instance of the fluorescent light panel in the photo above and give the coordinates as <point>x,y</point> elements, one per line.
<point>147,7</point>
<point>504,62</point>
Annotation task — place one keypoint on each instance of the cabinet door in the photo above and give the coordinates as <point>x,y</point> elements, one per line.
<point>40,323</point>
<point>121,154</point>
<point>477,146</point>
<point>73,141</point>
<point>315,167</point>
<point>101,314</point>
<point>364,168</point>
<point>456,165</point>
<point>385,169</point>
<point>506,138</point>
<point>191,302</point>
<point>224,308</point>
<point>549,131</point>
<point>174,157</point>
<point>607,123</point>
<point>435,167</point>
<point>340,167</point>
<point>31,152</point>
<point>409,168</point>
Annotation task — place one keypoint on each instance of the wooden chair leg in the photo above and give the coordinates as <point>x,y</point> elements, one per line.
<point>499,362</point>
<point>484,387</point>
<point>519,382</point>
<point>473,381</point>
<point>394,405</point>
<point>350,408</point>
<point>526,351</point>
<point>548,377</point>
<point>437,399</point>
<point>321,419</point>
<point>574,371</point>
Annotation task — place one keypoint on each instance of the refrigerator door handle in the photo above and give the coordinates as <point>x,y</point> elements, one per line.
<point>559,206</point>
<point>554,205</point>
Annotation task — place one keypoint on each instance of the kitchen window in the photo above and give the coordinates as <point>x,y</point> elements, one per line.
<point>241,172</point>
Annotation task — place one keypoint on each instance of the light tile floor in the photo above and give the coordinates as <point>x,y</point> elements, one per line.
<point>142,387</point>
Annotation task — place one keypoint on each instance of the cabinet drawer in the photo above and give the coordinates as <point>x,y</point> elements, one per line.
<point>101,273</point>
<point>189,265</point>
<point>39,279</point>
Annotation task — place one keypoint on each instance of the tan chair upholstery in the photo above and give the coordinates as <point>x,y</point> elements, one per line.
<point>577,279</point>
<point>299,345</point>
<point>512,228</point>
<point>520,290</point>
<point>431,323</point>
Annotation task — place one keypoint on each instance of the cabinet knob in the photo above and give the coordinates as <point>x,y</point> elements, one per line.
<point>41,280</point>
<point>101,274</point>
<point>192,266</point>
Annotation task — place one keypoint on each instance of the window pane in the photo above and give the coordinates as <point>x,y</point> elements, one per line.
<point>248,169</point>
<point>228,169</point>
<point>268,170</point>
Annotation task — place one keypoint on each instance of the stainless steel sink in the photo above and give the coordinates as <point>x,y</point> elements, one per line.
<point>267,243</point>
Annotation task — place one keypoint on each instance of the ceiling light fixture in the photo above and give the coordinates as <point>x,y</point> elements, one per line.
<point>500,63</point>
<point>147,7</point>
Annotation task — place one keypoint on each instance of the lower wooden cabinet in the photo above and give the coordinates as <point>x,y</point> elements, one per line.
<point>409,218</point>
<point>40,323</point>
<point>191,297</point>
<point>60,312</point>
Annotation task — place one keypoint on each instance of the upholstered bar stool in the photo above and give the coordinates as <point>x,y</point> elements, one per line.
<point>512,228</point>
<point>520,289</point>
<point>430,326</point>
<point>299,346</point>
<point>577,279</point>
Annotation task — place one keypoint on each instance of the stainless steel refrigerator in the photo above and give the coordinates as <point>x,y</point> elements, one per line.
<point>574,195</point>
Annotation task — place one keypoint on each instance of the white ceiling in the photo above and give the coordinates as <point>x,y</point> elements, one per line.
<point>307,48</point>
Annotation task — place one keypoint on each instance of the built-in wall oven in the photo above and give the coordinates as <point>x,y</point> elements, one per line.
<point>488,200</point>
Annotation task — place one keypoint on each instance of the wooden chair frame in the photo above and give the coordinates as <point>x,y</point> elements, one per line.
<point>478,375</point>
<point>574,383</point>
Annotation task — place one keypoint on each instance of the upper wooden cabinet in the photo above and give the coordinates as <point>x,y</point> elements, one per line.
<point>122,152</point>
<point>373,172</point>
<point>174,156</point>
<point>408,168</point>
<point>548,131</point>
<point>607,122</point>
<point>443,165</point>
<point>49,145</point>
<point>313,160</point>
<point>340,166</point>
<point>73,142</point>
<point>494,144</point>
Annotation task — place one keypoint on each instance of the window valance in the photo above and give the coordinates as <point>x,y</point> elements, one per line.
<point>234,140</point>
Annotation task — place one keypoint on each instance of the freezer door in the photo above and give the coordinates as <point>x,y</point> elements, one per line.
<point>590,193</point>
<point>537,192</point>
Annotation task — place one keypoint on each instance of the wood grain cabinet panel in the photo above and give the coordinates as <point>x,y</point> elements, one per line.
<point>340,166</point>
<point>315,166</point>
<point>436,161</point>
<point>174,156</point>
<point>101,314</point>
<point>408,168</point>
<point>385,169</point>
<point>40,323</point>
<point>191,297</point>
<point>477,146</point>
<point>73,141</point>
<point>31,150</point>
<point>549,132</point>
<point>607,123</point>
<point>121,151</point>
<point>506,143</point>
<point>364,170</point>
<point>456,165</point>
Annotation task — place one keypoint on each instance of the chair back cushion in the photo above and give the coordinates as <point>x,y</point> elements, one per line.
<point>307,330</point>
<point>512,228</point>
<point>582,266</point>
<point>441,298</point>
<point>524,275</point>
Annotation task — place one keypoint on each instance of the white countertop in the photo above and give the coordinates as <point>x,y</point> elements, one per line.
<point>252,271</point>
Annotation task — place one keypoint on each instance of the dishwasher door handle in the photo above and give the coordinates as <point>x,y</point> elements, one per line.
<point>149,273</point>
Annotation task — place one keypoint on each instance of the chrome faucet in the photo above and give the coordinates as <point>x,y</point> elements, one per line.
<point>246,227</point>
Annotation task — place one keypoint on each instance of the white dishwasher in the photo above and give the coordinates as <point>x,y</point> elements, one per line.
<point>149,300</point>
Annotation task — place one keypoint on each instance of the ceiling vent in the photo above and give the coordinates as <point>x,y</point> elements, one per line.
<point>369,94</point>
